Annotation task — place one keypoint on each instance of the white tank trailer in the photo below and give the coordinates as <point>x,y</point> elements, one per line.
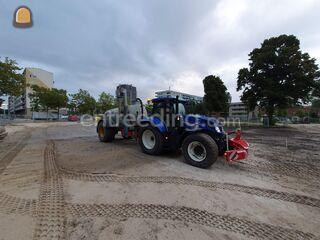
<point>124,117</point>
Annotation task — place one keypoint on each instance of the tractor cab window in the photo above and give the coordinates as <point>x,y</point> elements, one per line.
<point>181,110</point>
<point>163,108</point>
<point>168,108</point>
<point>158,108</point>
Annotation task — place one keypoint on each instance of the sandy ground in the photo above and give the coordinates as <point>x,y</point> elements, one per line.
<point>59,182</point>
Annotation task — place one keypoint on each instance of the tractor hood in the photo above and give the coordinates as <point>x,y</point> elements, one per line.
<point>200,122</point>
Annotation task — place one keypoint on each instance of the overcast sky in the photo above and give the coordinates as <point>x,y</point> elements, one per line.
<point>152,44</point>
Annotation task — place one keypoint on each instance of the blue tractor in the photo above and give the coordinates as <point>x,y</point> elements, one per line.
<point>168,127</point>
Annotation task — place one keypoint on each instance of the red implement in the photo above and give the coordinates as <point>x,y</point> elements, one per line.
<point>238,148</point>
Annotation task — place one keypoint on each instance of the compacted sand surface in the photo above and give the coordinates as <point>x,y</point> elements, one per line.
<point>59,182</point>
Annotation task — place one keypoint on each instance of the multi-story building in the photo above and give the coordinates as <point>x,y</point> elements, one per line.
<point>238,110</point>
<point>182,96</point>
<point>34,76</point>
<point>130,91</point>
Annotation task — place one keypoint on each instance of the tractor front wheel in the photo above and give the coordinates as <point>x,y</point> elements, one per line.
<point>200,150</point>
<point>151,141</point>
<point>105,134</point>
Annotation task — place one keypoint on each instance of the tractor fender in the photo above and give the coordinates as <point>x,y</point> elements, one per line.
<point>154,122</point>
<point>214,135</point>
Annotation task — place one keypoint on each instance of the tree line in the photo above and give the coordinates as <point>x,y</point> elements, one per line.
<point>78,103</point>
<point>279,76</point>
<point>13,83</point>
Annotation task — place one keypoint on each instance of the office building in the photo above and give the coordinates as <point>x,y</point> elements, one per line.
<point>21,106</point>
<point>183,96</point>
<point>238,110</point>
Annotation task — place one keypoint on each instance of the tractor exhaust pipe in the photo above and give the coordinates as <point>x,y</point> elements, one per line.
<point>141,105</point>
<point>177,104</point>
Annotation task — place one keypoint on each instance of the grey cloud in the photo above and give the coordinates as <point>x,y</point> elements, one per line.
<point>98,44</point>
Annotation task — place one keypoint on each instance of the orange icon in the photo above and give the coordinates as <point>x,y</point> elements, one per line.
<point>22,17</point>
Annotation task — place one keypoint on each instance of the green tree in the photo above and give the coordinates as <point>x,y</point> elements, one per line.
<point>105,102</point>
<point>82,102</point>
<point>45,98</point>
<point>71,105</point>
<point>216,98</point>
<point>282,112</point>
<point>279,76</point>
<point>316,91</point>
<point>301,113</point>
<point>35,101</point>
<point>59,99</point>
<point>41,98</point>
<point>316,103</point>
<point>193,107</point>
<point>12,82</point>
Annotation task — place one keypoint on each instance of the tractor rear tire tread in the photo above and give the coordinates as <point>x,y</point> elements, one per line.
<point>109,133</point>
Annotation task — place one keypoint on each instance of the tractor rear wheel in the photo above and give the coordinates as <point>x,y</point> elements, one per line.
<point>105,134</point>
<point>200,150</point>
<point>151,141</point>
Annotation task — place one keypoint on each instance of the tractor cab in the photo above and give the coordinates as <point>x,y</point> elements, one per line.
<point>168,106</point>
<point>168,110</point>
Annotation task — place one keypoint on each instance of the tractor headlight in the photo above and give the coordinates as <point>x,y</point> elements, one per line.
<point>217,129</point>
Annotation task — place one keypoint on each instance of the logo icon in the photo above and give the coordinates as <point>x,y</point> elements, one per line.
<point>22,17</point>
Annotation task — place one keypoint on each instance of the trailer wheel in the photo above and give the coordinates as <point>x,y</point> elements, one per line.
<point>151,141</point>
<point>105,134</point>
<point>200,150</point>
